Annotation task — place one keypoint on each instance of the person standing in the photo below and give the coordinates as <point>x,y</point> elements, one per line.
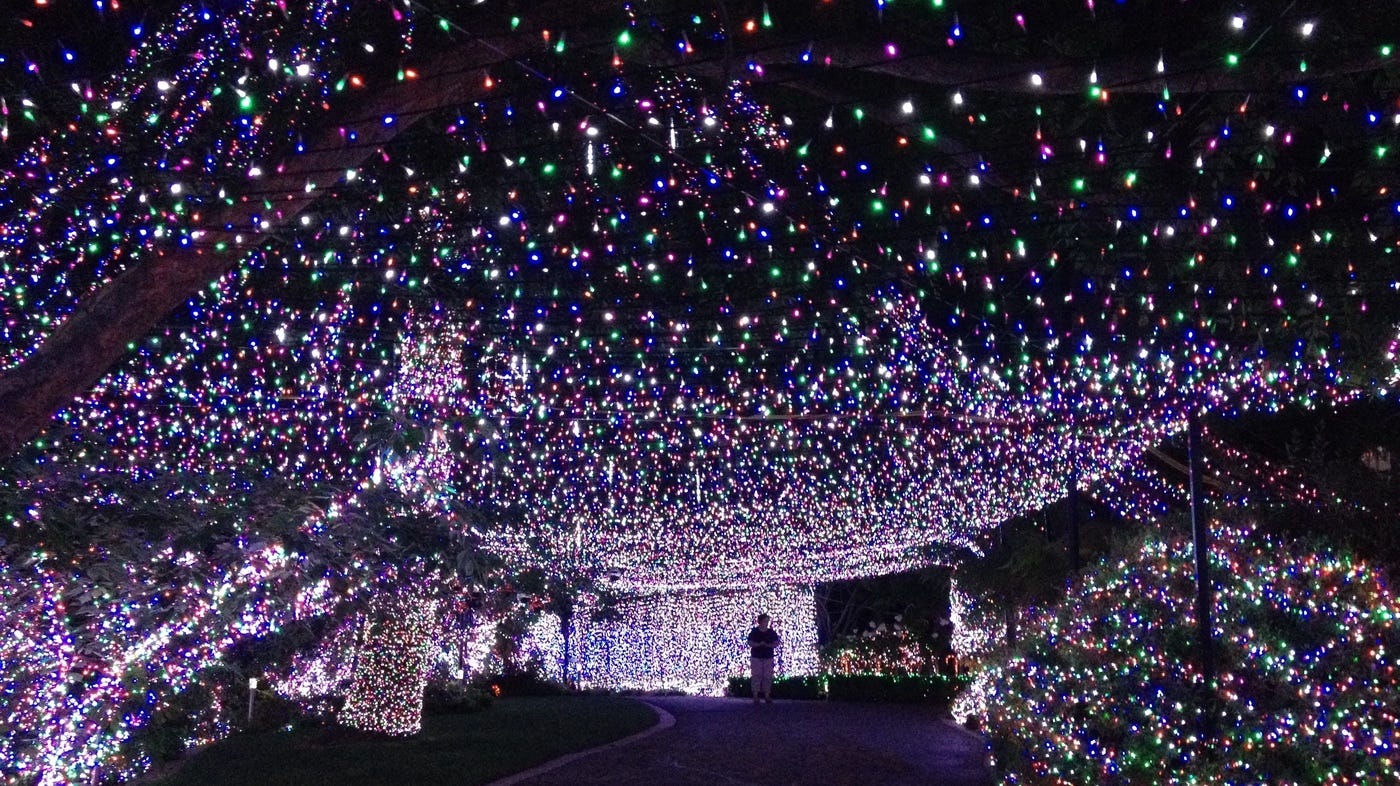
<point>762,641</point>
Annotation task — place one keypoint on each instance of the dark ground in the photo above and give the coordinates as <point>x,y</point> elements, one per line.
<point>732,742</point>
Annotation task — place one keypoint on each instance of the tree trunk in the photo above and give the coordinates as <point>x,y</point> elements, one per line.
<point>566,627</point>
<point>1012,634</point>
<point>391,667</point>
<point>99,333</point>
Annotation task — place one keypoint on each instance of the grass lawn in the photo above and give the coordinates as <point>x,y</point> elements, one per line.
<point>475,748</point>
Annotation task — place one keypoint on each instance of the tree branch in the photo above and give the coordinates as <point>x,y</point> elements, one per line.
<point>99,333</point>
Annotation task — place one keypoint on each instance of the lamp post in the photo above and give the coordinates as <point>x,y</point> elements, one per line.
<point>252,691</point>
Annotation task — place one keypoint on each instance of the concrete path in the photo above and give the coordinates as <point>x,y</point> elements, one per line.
<point>731,742</point>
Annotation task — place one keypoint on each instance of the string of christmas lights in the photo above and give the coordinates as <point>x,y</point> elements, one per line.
<point>125,628</point>
<point>391,668</point>
<point>673,641</point>
<point>1109,690</point>
<point>76,693</point>
<point>691,642</point>
<point>672,106</point>
<point>663,323</point>
<point>567,360</point>
<point>887,651</point>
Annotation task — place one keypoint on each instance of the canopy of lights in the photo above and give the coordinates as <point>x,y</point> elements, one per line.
<point>1311,638</point>
<point>699,294</point>
<point>684,297</point>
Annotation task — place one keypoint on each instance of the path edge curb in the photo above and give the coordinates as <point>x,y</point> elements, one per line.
<point>664,721</point>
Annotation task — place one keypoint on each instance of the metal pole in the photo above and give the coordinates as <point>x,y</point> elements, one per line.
<point>1200,534</point>
<point>1073,498</point>
<point>1074,516</point>
<point>1009,606</point>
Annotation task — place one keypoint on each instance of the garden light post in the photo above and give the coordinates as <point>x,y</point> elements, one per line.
<point>252,691</point>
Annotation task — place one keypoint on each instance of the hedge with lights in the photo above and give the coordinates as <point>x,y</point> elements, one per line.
<point>883,650</point>
<point>1111,692</point>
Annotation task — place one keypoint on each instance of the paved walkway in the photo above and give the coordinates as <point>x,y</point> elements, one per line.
<point>731,742</point>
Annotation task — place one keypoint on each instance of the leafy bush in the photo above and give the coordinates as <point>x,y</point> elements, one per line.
<point>890,650</point>
<point>1110,691</point>
<point>804,688</point>
<point>907,689</point>
<point>320,710</point>
<point>164,736</point>
<point>456,696</point>
<point>525,681</point>
<point>272,711</point>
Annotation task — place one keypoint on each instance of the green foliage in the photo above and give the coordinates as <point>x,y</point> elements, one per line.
<point>451,696</point>
<point>515,681</point>
<point>146,553</point>
<point>916,600</point>
<point>801,688</point>
<point>890,650</point>
<point>1109,689</point>
<point>1026,567</point>
<point>265,655</point>
<point>182,716</point>
<point>1340,473</point>
<point>936,689</point>
<point>273,711</point>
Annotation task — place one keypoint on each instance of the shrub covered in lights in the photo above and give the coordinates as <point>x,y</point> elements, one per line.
<point>885,650</point>
<point>1110,691</point>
